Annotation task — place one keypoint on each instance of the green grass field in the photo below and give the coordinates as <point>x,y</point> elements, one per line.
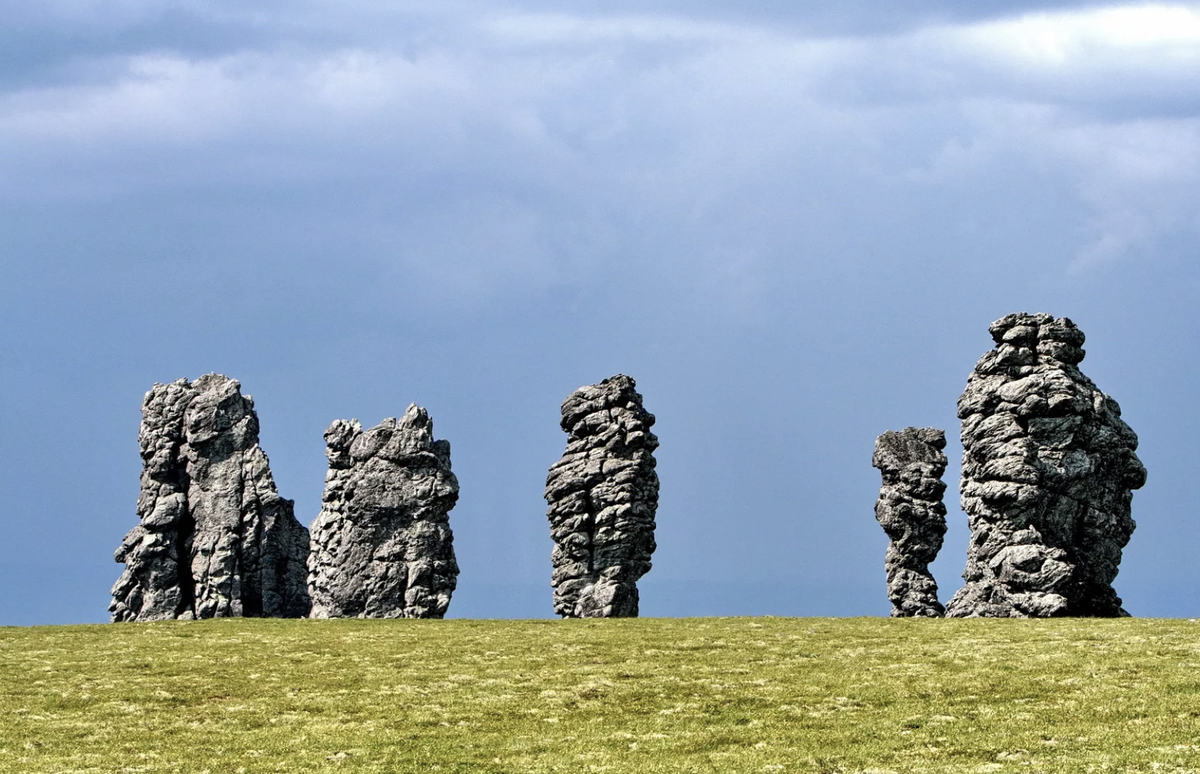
<point>648,695</point>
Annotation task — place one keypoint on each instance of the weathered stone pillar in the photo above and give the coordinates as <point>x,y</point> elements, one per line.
<point>215,538</point>
<point>1047,478</point>
<point>382,545</point>
<point>602,497</point>
<point>911,512</point>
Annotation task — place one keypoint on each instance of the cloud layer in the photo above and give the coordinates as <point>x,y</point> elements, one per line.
<point>534,139</point>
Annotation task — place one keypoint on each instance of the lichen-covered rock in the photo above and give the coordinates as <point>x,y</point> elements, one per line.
<point>602,497</point>
<point>382,545</point>
<point>1047,478</point>
<point>215,538</point>
<point>911,512</point>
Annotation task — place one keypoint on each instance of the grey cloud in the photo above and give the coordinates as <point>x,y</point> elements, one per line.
<point>854,18</point>
<point>527,156</point>
<point>38,35</point>
<point>520,138</point>
<point>38,51</point>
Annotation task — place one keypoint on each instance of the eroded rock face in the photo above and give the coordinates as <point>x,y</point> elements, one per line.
<point>215,538</point>
<point>911,512</point>
<point>382,545</point>
<point>602,498</point>
<point>1047,479</point>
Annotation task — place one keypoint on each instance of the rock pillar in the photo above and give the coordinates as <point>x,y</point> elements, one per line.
<point>602,496</point>
<point>1047,478</point>
<point>215,538</point>
<point>911,512</point>
<point>382,545</point>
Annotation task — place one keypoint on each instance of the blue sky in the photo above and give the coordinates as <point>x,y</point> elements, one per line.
<point>792,227</point>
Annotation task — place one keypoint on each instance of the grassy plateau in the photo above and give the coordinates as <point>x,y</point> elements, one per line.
<point>626,696</point>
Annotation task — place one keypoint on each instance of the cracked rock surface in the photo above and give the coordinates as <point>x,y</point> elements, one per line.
<point>215,538</point>
<point>911,512</point>
<point>602,496</point>
<point>1047,478</point>
<point>382,545</point>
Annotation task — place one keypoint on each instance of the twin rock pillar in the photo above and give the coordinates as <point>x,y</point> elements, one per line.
<point>216,540</point>
<point>1049,468</point>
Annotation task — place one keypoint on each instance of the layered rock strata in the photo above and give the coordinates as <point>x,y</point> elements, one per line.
<point>602,496</point>
<point>1047,478</point>
<point>911,512</point>
<point>215,538</point>
<point>382,545</point>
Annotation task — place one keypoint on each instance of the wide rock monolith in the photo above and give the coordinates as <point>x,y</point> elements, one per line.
<point>215,539</point>
<point>382,545</point>
<point>602,496</point>
<point>1049,469</point>
<point>911,512</point>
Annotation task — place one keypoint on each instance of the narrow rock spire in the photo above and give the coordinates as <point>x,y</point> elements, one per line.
<point>911,512</point>
<point>602,497</point>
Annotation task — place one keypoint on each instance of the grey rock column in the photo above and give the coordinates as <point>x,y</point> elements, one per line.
<point>382,545</point>
<point>215,538</point>
<point>602,497</point>
<point>911,512</point>
<point>1047,478</point>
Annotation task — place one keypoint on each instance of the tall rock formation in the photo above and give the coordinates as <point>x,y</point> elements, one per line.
<point>1047,478</point>
<point>215,538</point>
<point>602,497</point>
<point>911,512</point>
<point>382,545</point>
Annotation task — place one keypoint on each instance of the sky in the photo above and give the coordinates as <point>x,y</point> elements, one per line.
<point>791,223</point>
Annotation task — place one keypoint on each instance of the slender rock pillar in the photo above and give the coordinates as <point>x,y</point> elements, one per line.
<point>911,512</point>
<point>602,497</point>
